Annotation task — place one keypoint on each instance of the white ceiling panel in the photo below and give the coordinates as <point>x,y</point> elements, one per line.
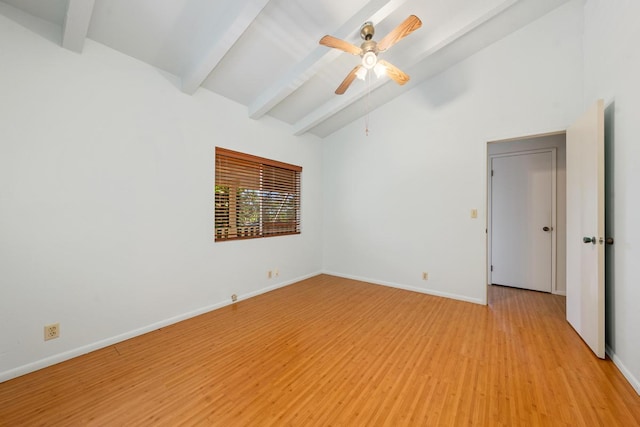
<point>265,54</point>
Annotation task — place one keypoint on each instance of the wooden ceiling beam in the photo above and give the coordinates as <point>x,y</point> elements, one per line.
<point>76,24</point>
<point>194,77</point>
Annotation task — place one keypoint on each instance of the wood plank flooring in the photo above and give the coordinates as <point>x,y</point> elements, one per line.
<point>331,351</point>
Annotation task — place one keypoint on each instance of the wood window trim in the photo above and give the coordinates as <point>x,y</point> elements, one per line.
<point>255,197</point>
<point>249,157</point>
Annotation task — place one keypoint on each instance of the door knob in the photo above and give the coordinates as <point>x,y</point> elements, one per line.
<point>609,241</point>
<point>589,240</point>
<point>545,228</point>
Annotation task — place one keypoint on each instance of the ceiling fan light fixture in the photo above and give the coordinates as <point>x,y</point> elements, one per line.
<point>369,60</point>
<point>380,70</point>
<point>361,73</point>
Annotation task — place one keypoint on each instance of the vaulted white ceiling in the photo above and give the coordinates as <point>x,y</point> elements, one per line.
<point>265,54</point>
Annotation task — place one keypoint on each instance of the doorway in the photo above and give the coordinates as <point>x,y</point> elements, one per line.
<point>526,226</point>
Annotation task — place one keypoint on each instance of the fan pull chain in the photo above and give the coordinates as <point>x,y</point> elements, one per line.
<point>367,104</point>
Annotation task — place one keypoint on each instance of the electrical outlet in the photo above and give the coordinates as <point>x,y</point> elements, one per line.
<point>276,272</point>
<point>269,274</point>
<point>425,275</point>
<point>51,331</point>
<point>234,298</point>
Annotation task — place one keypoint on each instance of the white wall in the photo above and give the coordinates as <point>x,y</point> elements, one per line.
<point>612,70</point>
<point>106,200</point>
<point>398,202</point>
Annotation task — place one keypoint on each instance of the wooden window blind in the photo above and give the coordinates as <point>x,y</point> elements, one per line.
<point>255,197</point>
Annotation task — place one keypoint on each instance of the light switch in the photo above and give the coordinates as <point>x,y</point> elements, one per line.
<point>474,213</point>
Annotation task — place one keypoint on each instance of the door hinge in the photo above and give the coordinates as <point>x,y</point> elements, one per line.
<point>492,268</point>
<point>491,172</point>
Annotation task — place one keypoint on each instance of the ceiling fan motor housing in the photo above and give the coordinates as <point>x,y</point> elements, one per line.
<point>369,47</point>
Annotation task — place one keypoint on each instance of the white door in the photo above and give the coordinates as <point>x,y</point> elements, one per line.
<point>585,227</point>
<point>522,220</point>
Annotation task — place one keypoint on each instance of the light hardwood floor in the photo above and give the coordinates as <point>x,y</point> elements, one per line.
<point>330,351</point>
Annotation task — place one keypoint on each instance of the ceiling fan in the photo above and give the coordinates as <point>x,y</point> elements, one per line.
<point>369,50</point>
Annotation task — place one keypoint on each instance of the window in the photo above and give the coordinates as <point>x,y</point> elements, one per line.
<point>255,197</point>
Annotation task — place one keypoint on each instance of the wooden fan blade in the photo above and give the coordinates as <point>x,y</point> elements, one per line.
<point>347,81</point>
<point>394,72</point>
<point>407,27</point>
<point>331,41</point>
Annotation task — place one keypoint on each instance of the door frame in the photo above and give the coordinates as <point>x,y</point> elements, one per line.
<point>553,171</point>
<point>489,157</point>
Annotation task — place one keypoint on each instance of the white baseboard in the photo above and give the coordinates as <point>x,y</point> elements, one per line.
<point>408,288</point>
<point>61,357</point>
<point>635,382</point>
